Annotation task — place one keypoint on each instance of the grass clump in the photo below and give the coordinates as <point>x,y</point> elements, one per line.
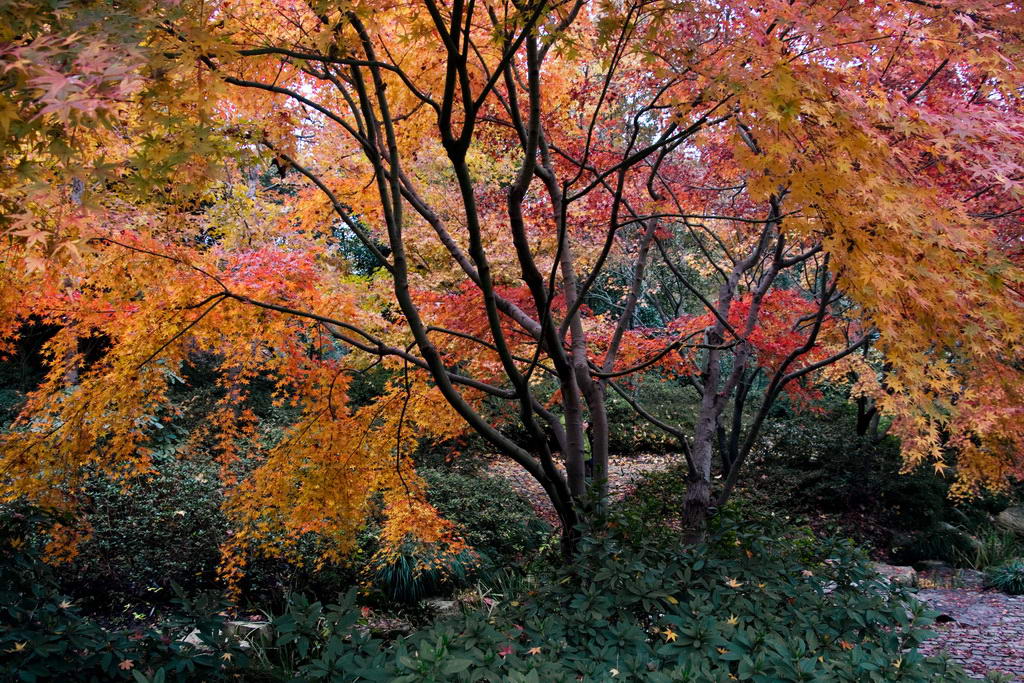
<point>1009,578</point>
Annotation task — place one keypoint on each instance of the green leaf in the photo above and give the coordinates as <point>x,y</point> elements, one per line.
<point>454,666</point>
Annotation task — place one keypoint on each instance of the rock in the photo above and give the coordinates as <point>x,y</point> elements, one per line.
<point>250,632</point>
<point>943,577</point>
<point>970,579</point>
<point>247,633</point>
<point>964,537</point>
<point>967,608</point>
<point>901,576</point>
<point>443,608</point>
<point>389,628</point>
<point>1012,518</point>
<point>948,577</point>
<point>195,641</point>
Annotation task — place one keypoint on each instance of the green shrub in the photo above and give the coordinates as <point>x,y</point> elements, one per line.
<point>463,455</point>
<point>416,573</point>
<point>268,579</point>
<point>44,636</point>
<point>668,400</point>
<point>740,606</point>
<point>499,525</point>
<point>941,542</point>
<point>151,531</point>
<point>10,404</point>
<point>365,387</point>
<point>654,498</point>
<point>1009,578</point>
<point>993,547</point>
<point>166,527</point>
<point>836,470</point>
<point>809,463</point>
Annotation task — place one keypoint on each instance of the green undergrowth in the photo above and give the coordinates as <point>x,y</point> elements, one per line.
<point>1008,578</point>
<point>631,607</point>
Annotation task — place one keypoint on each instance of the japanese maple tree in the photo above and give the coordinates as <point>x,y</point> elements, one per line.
<point>784,183</point>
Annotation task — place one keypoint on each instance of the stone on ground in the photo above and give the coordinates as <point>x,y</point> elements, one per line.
<point>1012,518</point>
<point>901,576</point>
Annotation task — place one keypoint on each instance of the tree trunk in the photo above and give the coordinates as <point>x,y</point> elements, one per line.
<point>599,429</point>
<point>695,509</point>
<point>566,507</point>
<point>698,493</point>
<point>724,453</point>
<point>568,542</point>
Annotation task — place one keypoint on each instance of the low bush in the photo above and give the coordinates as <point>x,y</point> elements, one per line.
<point>416,573</point>
<point>45,637</point>
<point>466,455</point>
<point>167,526</point>
<point>834,469</point>
<point>10,403</point>
<point>1008,578</point>
<point>810,463</point>
<point>654,502</point>
<point>146,533</point>
<point>668,400</point>
<point>499,526</point>
<point>940,542</point>
<point>490,515</point>
<point>739,607</point>
<point>993,547</point>
<point>268,578</point>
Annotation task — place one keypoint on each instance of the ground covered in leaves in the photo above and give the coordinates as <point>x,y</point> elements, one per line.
<point>982,630</point>
<point>623,471</point>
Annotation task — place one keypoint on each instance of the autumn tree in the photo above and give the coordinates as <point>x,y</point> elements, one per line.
<point>781,183</point>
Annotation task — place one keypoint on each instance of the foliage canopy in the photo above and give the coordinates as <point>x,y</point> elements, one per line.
<point>558,197</point>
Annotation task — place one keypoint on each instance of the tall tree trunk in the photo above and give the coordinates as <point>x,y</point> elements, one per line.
<point>698,492</point>
<point>599,441</point>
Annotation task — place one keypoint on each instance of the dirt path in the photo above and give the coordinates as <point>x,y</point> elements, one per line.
<point>982,630</point>
<point>622,472</point>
